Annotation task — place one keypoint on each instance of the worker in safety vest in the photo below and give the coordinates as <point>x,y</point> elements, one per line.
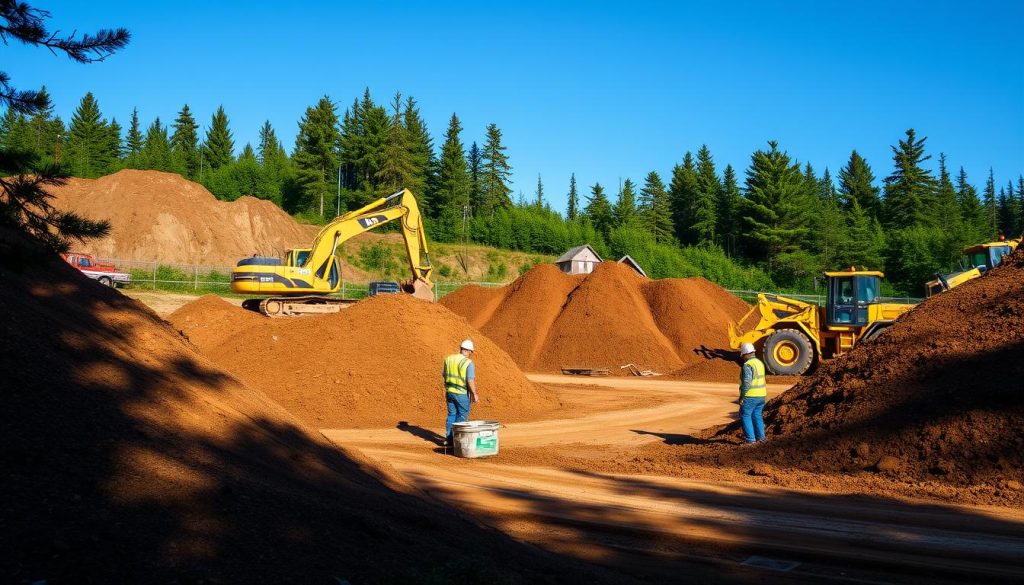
<point>459,386</point>
<point>753,393</point>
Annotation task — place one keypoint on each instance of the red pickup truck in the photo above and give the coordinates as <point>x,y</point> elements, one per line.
<point>106,274</point>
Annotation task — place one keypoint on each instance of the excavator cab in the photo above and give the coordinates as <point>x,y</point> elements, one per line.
<point>849,294</point>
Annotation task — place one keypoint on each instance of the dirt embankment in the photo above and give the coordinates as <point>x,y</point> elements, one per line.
<point>371,365</point>
<point>546,320</point>
<point>130,458</point>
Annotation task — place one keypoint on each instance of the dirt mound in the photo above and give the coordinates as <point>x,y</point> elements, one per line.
<point>130,458</point>
<point>371,365</point>
<point>936,397</point>
<point>162,217</point>
<point>611,317</point>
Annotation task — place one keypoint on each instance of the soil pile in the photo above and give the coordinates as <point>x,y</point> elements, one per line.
<point>130,458</point>
<point>937,397</point>
<point>373,364</point>
<point>162,217</point>
<point>546,320</point>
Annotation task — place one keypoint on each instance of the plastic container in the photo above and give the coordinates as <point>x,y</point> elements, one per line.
<point>475,438</point>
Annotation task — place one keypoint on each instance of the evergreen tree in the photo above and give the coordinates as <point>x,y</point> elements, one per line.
<point>776,208</point>
<point>219,147</point>
<point>373,144</point>
<point>599,210</point>
<point>88,148</point>
<point>133,142</point>
<point>396,168</point>
<point>185,143</point>
<point>1009,208</point>
<point>156,150</point>
<point>495,174</point>
<point>729,211</point>
<point>540,193</point>
<point>269,145</point>
<point>452,194</point>
<point>351,146</point>
<point>625,213</point>
<point>682,193</point>
<point>971,213</point>
<point>1019,230</point>
<point>572,210</point>
<point>274,166</point>
<point>16,131</point>
<point>865,240</point>
<point>114,144</point>
<point>421,154</point>
<point>316,157</point>
<point>830,230</point>
<point>705,201</point>
<point>947,209</point>
<point>475,168</point>
<point>45,128</point>
<point>910,189</point>
<point>856,184</point>
<point>991,208</point>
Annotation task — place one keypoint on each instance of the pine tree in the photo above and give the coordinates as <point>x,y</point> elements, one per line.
<point>991,209</point>
<point>572,210</point>
<point>729,203</point>
<point>475,168</point>
<point>1009,208</point>
<point>156,150</point>
<point>421,154</point>
<point>17,133</point>
<point>114,144</point>
<point>971,213</point>
<point>133,142</point>
<point>864,242</point>
<point>705,201</point>
<point>45,129</point>
<point>269,145</point>
<point>540,193</point>
<point>1019,230</point>
<point>351,146</point>
<point>830,229</point>
<point>274,164</point>
<point>599,210</point>
<point>185,143</point>
<point>219,147</point>
<point>396,168</point>
<point>373,143</point>
<point>910,189</point>
<point>947,209</point>
<point>88,149</point>
<point>316,157</point>
<point>776,208</point>
<point>683,193</point>
<point>856,184</point>
<point>625,213</point>
<point>495,174</point>
<point>452,194</point>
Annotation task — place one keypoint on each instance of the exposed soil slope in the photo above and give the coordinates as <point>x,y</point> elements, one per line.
<point>611,317</point>
<point>373,364</point>
<point>130,458</point>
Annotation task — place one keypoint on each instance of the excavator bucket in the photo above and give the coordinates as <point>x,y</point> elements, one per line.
<point>420,290</point>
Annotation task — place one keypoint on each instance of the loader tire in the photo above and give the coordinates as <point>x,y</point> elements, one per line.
<point>788,352</point>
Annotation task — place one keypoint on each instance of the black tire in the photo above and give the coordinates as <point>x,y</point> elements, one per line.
<point>788,352</point>
<point>105,281</point>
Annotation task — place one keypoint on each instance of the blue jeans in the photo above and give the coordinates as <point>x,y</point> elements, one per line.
<point>750,416</point>
<point>458,411</point>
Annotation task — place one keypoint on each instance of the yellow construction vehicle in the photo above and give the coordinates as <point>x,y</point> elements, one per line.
<point>793,336</point>
<point>977,259</point>
<point>300,282</point>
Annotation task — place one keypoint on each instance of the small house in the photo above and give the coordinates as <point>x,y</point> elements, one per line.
<point>628,261</point>
<point>579,260</point>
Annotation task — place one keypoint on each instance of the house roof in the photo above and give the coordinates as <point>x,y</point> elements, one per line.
<point>573,251</point>
<point>628,260</point>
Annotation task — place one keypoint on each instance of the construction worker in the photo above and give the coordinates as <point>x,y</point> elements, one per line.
<point>459,386</point>
<point>753,393</point>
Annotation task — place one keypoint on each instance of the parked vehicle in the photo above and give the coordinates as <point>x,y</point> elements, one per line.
<point>105,274</point>
<point>384,287</point>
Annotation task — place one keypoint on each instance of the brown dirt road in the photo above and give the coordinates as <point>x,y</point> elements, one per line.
<point>653,525</point>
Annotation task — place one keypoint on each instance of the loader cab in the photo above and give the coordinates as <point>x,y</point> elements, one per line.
<point>849,294</point>
<point>985,256</point>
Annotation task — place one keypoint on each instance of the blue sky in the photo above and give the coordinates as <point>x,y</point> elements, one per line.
<point>605,90</point>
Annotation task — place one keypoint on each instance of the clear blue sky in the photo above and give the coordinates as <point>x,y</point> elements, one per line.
<point>605,90</point>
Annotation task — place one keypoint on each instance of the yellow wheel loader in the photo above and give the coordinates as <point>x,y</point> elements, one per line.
<point>793,336</point>
<point>300,282</point>
<point>978,259</point>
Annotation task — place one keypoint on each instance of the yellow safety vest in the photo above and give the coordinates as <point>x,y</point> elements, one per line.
<point>456,370</point>
<point>758,387</point>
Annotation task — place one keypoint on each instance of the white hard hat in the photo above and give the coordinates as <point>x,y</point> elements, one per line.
<point>467,344</point>
<point>747,348</point>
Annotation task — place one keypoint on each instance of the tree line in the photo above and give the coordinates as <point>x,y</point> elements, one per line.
<point>779,225</point>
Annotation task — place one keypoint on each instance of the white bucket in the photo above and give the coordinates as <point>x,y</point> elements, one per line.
<point>476,438</point>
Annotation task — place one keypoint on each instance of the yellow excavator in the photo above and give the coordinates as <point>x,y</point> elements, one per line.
<point>978,259</point>
<point>300,283</point>
<point>793,336</point>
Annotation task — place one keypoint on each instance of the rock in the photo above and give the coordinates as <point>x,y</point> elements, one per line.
<point>888,463</point>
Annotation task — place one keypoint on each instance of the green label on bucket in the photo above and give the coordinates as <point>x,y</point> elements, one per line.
<point>486,444</point>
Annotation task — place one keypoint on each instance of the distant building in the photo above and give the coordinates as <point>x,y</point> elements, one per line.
<point>628,261</point>
<point>579,260</point>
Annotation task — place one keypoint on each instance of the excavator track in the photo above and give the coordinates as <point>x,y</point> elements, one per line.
<point>296,306</point>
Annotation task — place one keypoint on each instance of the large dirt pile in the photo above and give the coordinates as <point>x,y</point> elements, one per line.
<point>938,397</point>
<point>162,217</point>
<point>130,458</point>
<point>371,365</point>
<point>611,317</point>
